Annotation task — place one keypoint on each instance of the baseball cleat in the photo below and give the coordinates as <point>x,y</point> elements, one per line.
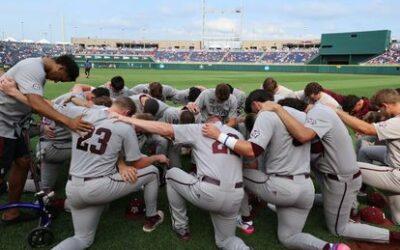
<point>339,246</point>
<point>152,222</point>
<point>245,226</point>
<point>183,234</point>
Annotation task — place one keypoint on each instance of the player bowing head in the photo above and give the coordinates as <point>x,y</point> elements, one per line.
<point>156,90</point>
<point>117,83</point>
<point>194,92</point>
<point>61,69</point>
<point>255,98</point>
<point>123,106</point>
<point>222,92</point>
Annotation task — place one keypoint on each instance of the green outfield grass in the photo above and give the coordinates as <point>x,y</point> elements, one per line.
<point>114,232</point>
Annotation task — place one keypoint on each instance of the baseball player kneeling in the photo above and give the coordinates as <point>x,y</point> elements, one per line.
<point>218,186</point>
<point>286,181</point>
<point>94,181</point>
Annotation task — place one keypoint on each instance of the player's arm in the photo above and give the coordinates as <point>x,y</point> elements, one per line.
<point>78,88</point>
<point>356,124</point>
<point>9,87</point>
<point>80,102</point>
<point>45,109</point>
<point>295,128</point>
<point>160,128</point>
<point>241,147</point>
<point>150,160</point>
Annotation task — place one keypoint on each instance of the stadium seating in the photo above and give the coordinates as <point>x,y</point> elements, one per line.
<point>243,56</point>
<point>206,56</point>
<point>12,52</point>
<point>392,56</point>
<point>172,56</point>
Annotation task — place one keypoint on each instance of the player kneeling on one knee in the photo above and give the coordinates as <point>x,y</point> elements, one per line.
<point>286,180</point>
<point>342,177</point>
<point>93,179</point>
<point>217,187</point>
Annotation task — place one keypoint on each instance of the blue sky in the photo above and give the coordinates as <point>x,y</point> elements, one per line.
<point>180,19</point>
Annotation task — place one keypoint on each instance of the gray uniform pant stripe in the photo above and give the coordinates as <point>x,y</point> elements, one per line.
<point>384,178</point>
<point>338,198</point>
<point>293,200</point>
<point>223,206</point>
<point>87,200</point>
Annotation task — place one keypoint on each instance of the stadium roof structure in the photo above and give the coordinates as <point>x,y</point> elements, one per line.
<point>27,41</point>
<point>10,39</point>
<point>43,41</point>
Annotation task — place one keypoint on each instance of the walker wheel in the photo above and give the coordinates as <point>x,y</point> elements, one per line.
<point>40,237</point>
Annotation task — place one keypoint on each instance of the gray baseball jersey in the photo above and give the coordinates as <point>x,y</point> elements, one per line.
<point>181,96</point>
<point>271,134</point>
<point>212,158</point>
<point>172,115</point>
<point>123,92</point>
<point>30,77</point>
<point>62,133</point>
<point>240,98</point>
<point>138,104</point>
<point>168,92</point>
<point>389,131</point>
<point>339,157</point>
<point>139,107</point>
<point>140,88</point>
<point>326,99</point>
<point>209,105</point>
<point>285,92</point>
<point>96,153</point>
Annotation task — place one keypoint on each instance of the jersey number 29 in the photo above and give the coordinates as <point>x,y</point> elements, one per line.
<point>104,136</point>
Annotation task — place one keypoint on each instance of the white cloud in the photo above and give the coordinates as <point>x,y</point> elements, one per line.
<point>221,25</point>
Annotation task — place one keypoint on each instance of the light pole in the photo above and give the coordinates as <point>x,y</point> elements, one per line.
<point>22,30</point>
<point>50,34</point>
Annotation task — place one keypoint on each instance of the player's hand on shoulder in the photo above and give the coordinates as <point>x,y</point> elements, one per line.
<point>211,131</point>
<point>121,118</point>
<point>7,85</point>
<point>79,125</point>
<point>192,107</point>
<point>128,173</point>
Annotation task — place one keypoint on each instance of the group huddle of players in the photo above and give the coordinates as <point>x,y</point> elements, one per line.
<point>270,144</point>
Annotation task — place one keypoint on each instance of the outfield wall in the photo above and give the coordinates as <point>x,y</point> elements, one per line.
<point>338,69</point>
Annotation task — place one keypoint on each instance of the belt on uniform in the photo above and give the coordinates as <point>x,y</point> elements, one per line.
<point>88,178</point>
<point>216,182</point>
<point>291,177</point>
<point>336,178</point>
